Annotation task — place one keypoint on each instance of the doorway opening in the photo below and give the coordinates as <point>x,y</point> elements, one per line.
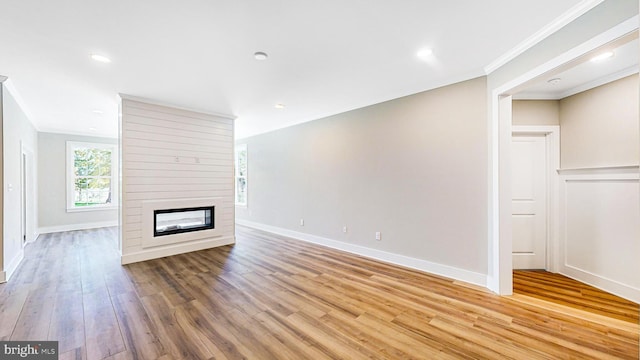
<point>27,196</point>
<point>502,242</point>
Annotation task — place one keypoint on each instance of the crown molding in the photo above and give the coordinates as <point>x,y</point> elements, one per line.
<point>600,81</point>
<point>557,24</point>
<point>558,95</point>
<point>8,84</point>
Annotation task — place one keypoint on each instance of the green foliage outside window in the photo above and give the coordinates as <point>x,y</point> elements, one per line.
<point>92,173</point>
<point>241,175</point>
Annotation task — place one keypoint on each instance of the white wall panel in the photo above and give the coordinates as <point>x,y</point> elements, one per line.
<point>172,154</point>
<point>601,235</point>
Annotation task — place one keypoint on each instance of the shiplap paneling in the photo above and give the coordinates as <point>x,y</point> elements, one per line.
<point>600,238</point>
<point>172,154</point>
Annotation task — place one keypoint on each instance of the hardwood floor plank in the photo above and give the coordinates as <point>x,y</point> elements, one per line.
<point>223,339</point>
<point>11,304</point>
<point>565,291</point>
<point>176,342</point>
<point>270,297</point>
<point>102,333</point>
<point>73,354</point>
<point>139,333</point>
<point>67,321</point>
<point>35,317</point>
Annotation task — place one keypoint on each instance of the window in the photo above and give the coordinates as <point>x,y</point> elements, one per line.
<point>241,175</point>
<point>91,178</point>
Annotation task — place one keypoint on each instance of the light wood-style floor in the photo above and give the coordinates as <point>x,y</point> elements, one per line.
<point>269,297</point>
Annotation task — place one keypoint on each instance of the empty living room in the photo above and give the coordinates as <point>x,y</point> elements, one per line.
<point>320,179</point>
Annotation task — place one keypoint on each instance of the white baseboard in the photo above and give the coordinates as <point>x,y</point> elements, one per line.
<point>396,259</point>
<point>162,251</point>
<point>614,287</point>
<point>73,227</point>
<point>3,277</point>
<point>13,265</point>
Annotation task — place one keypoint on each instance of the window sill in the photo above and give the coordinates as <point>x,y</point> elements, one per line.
<point>92,208</point>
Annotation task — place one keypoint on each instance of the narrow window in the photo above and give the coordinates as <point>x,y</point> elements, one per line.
<point>91,180</point>
<point>241,174</point>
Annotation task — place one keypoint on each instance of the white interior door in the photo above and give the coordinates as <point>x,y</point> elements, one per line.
<point>28,192</point>
<point>529,189</point>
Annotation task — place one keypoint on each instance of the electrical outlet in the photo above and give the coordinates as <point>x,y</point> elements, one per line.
<point>378,236</point>
<point>301,222</point>
<point>344,229</point>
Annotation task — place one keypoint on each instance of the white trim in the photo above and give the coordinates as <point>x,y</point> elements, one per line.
<point>625,28</point>
<point>18,99</point>
<point>580,88</point>
<point>78,133</point>
<point>74,227</point>
<point>3,79</point>
<point>71,145</point>
<point>499,254</point>
<point>3,275</point>
<point>396,259</point>
<point>560,22</point>
<point>93,208</point>
<point>603,174</point>
<point>13,265</point>
<point>150,254</point>
<point>622,169</point>
<point>614,287</point>
<point>174,106</point>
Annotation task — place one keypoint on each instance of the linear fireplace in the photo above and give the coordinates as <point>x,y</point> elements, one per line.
<point>173,221</point>
<point>176,221</point>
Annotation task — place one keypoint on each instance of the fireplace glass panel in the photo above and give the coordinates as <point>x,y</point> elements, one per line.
<point>175,221</point>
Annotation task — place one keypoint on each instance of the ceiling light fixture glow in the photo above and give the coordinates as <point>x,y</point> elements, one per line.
<point>425,54</point>
<point>279,106</point>
<point>603,56</point>
<point>100,58</point>
<point>260,55</point>
<point>554,81</point>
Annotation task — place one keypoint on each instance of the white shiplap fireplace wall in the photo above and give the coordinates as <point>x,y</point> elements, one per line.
<point>171,155</point>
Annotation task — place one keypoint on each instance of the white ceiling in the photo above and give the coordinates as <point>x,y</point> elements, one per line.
<point>586,75</point>
<point>325,57</point>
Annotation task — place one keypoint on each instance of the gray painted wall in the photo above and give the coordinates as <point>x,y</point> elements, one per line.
<point>413,168</point>
<point>17,132</point>
<point>536,112</point>
<point>52,206</point>
<point>599,127</point>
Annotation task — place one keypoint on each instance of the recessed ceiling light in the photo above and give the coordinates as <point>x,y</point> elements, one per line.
<point>554,81</point>
<point>93,129</point>
<point>279,106</point>
<point>260,55</point>
<point>100,58</point>
<point>425,54</point>
<point>603,56</point>
<point>98,112</point>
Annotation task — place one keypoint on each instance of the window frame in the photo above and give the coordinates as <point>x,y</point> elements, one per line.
<point>237,150</point>
<point>71,146</point>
